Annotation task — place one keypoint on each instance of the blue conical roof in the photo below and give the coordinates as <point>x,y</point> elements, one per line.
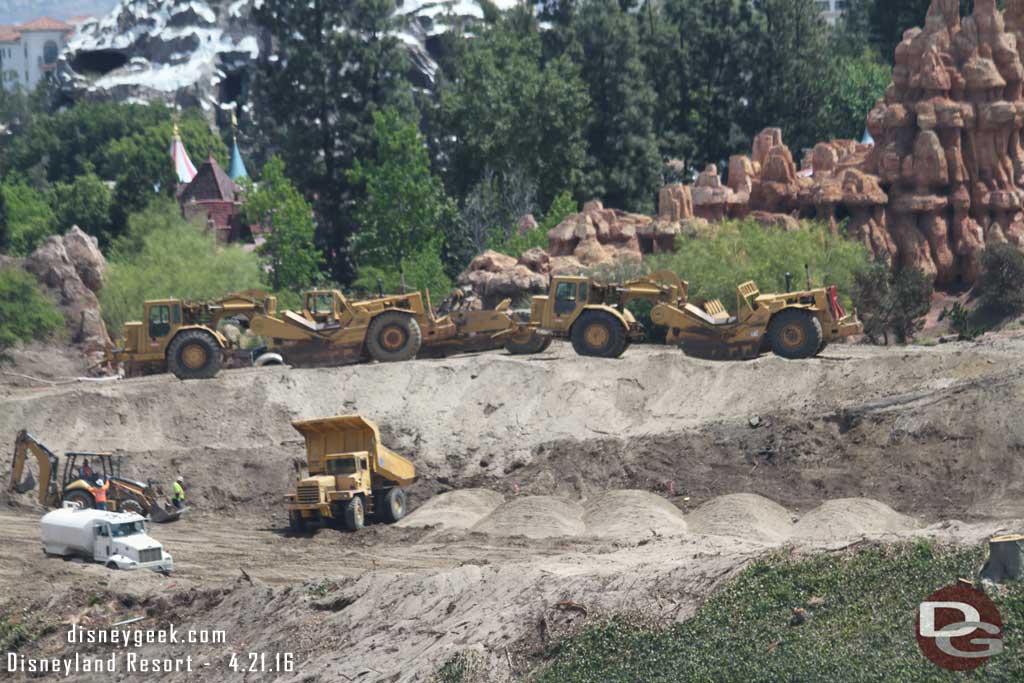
<point>866,140</point>
<point>237,168</point>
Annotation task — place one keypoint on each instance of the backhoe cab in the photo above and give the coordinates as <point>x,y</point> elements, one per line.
<point>58,485</point>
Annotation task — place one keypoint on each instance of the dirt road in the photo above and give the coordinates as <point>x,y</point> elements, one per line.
<point>553,539</point>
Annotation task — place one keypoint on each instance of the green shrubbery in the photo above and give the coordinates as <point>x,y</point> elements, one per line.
<point>744,250</point>
<point>25,313</point>
<point>1001,285</point>
<point>515,244</point>
<point>891,301</point>
<point>862,630</point>
<point>162,256</point>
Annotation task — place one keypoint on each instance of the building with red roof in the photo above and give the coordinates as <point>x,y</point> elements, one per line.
<point>29,51</point>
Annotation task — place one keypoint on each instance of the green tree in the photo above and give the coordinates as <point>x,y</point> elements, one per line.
<point>86,203</point>
<point>162,255</point>
<point>1001,284</point>
<point>858,82</point>
<point>29,217</point>
<point>791,73</point>
<point>404,203</point>
<point>315,97</point>
<point>5,228</point>
<point>504,107</point>
<point>698,56</point>
<point>891,301</point>
<point>882,23</point>
<point>289,252</point>
<point>623,163</point>
<point>25,313</point>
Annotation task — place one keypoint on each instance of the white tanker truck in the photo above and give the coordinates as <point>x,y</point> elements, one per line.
<point>117,540</point>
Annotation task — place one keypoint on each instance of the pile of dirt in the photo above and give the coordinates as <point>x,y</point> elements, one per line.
<point>534,517</point>
<point>462,509</point>
<point>851,518</point>
<point>742,515</point>
<point>633,515</point>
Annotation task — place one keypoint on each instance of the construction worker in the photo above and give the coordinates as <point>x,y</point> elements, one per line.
<point>99,493</point>
<point>85,472</point>
<point>179,493</point>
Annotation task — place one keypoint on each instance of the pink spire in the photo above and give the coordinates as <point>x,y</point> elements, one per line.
<point>183,166</point>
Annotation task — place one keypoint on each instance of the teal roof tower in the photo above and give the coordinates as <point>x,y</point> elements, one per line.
<point>236,169</point>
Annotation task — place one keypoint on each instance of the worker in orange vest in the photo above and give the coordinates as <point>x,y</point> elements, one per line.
<point>99,493</point>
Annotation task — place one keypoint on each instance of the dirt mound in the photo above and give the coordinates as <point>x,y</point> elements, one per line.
<point>851,518</point>
<point>633,514</point>
<point>535,517</point>
<point>742,515</point>
<point>455,509</point>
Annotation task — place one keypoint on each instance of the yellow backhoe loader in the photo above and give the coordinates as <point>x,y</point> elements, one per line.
<point>72,483</point>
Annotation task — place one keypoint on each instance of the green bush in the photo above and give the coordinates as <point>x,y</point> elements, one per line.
<point>163,256</point>
<point>28,215</point>
<point>25,313</point>
<point>744,250</point>
<point>515,244</point>
<point>860,627</point>
<point>1001,283</point>
<point>423,271</point>
<point>891,301</point>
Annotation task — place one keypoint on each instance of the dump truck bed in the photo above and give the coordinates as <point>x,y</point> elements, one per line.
<point>352,434</point>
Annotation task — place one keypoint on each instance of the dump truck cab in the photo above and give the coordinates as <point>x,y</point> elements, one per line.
<point>352,476</point>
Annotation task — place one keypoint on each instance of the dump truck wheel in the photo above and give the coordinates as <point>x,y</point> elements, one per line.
<point>393,508</point>
<point>296,522</point>
<point>194,355</point>
<point>393,337</point>
<point>795,334</point>
<point>527,345</point>
<point>599,334</point>
<point>355,514</point>
<point>82,499</point>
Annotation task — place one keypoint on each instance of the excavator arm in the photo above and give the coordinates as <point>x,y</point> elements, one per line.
<point>23,446</point>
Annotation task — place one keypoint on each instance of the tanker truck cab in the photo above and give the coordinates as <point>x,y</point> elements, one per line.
<point>115,539</point>
<point>352,476</point>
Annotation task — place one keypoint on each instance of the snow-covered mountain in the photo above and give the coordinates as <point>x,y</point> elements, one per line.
<point>21,11</point>
<point>197,52</point>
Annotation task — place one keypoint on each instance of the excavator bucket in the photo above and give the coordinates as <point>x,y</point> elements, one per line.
<point>162,515</point>
<point>27,485</point>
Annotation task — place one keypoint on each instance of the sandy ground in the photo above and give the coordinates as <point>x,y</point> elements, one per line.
<point>553,490</point>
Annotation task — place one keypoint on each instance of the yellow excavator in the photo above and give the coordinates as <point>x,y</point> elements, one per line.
<point>73,482</point>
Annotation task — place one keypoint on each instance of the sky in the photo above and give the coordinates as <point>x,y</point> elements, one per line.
<point>20,11</point>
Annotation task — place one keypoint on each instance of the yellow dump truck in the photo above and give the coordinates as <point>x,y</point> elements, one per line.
<point>352,475</point>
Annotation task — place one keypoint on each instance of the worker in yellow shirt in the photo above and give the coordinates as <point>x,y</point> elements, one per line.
<point>179,493</point>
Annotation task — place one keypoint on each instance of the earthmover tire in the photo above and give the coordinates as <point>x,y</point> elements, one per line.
<point>130,505</point>
<point>535,344</point>
<point>296,522</point>
<point>599,334</point>
<point>394,505</point>
<point>795,334</point>
<point>83,499</point>
<point>393,337</point>
<point>194,354</point>
<point>355,514</point>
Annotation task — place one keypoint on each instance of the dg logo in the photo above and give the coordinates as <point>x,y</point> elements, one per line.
<point>959,628</point>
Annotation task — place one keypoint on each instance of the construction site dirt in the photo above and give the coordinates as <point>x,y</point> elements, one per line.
<point>552,490</point>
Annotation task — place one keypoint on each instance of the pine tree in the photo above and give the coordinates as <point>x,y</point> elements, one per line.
<point>333,66</point>
<point>5,228</point>
<point>504,108</point>
<point>624,165</point>
<point>698,55</point>
<point>792,74</point>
